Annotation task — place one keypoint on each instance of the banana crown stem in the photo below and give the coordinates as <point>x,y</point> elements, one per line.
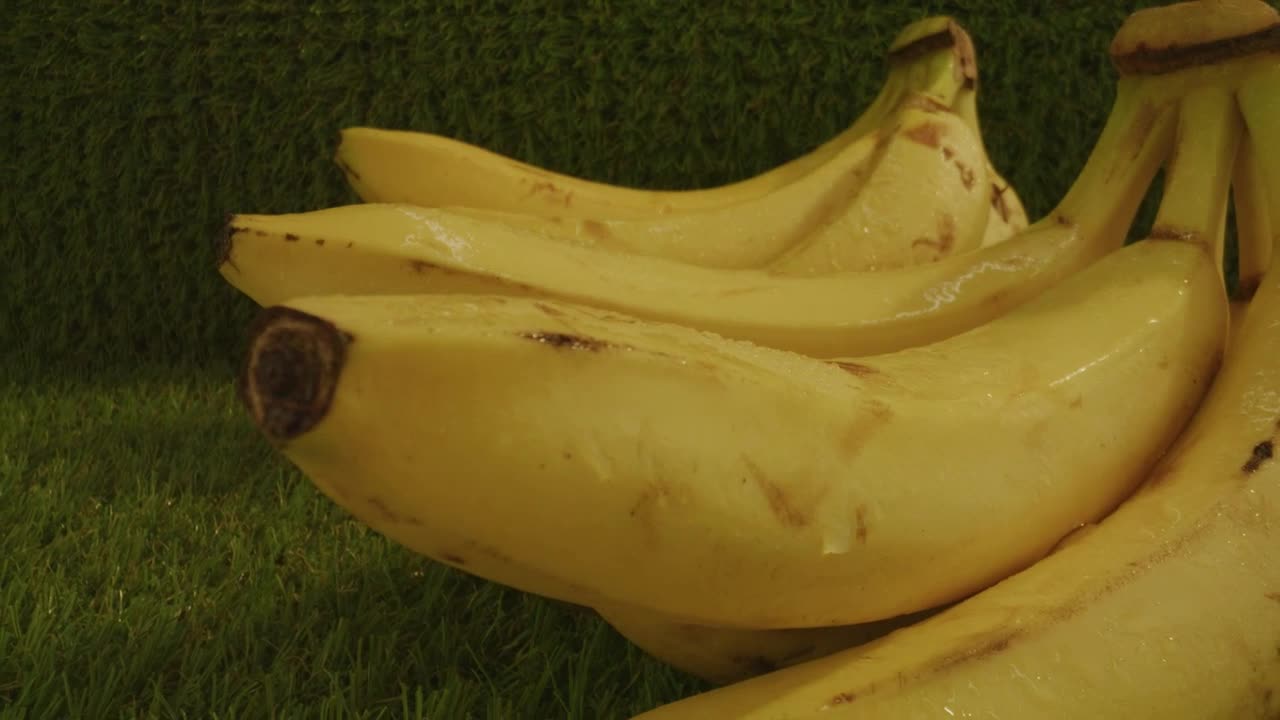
<point>1198,173</point>
<point>1163,55</point>
<point>1259,102</point>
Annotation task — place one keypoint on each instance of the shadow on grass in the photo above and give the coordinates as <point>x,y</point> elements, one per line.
<point>107,433</point>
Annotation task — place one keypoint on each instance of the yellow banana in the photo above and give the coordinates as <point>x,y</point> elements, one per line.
<point>911,187</point>
<point>431,170</point>
<point>643,461</point>
<point>373,248</point>
<point>1168,608</point>
<point>726,655</point>
<point>913,190</point>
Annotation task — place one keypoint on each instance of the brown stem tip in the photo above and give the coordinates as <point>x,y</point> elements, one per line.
<point>951,36</point>
<point>291,370</point>
<point>222,242</point>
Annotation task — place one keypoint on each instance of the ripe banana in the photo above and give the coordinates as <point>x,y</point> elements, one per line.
<point>647,463</point>
<point>846,212</point>
<point>932,56</point>
<point>1168,608</point>
<point>374,248</point>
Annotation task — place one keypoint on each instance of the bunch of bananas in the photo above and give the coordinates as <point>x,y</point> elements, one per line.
<point>851,438</point>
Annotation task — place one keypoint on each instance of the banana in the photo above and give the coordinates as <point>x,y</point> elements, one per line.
<point>661,467</point>
<point>932,56</point>
<point>1168,608</point>
<point>723,655</point>
<point>386,248</point>
<point>846,212</point>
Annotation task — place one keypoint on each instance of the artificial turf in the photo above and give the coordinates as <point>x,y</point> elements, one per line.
<point>157,558</point>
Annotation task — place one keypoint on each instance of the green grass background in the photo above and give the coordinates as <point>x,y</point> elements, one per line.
<point>157,559</point>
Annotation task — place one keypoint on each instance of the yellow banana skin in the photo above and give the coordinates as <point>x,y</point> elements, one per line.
<point>913,190</point>
<point>374,248</point>
<point>660,481</point>
<point>1168,608</point>
<point>909,183</point>
<point>431,170</point>
<point>1125,621</point>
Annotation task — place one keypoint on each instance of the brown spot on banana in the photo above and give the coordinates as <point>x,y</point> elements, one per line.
<point>1261,453</point>
<point>874,416</point>
<point>778,499</point>
<point>453,558</point>
<point>860,524</point>
<point>290,237</point>
<point>945,240</point>
<point>927,133</point>
<point>998,201</point>
<point>642,509</point>
<point>1166,232</point>
<point>566,340</point>
<point>854,368</point>
<point>967,176</point>
<point>596,229</point>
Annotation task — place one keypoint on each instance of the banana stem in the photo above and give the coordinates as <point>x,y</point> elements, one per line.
<point>1107,192</point>
<point>1259,99</point>
<point>1198,176</point>
<point>1253,220</point>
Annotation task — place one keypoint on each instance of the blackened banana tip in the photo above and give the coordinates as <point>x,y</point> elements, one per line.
<point>291,371</point>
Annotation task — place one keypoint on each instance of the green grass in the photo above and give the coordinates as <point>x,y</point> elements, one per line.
<point>159,560</point>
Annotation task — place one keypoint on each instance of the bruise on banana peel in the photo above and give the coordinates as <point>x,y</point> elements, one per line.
<point>566,340</point>
<point>1261,453</point>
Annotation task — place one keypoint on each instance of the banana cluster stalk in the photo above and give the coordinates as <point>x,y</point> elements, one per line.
<point>1028,474</point>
